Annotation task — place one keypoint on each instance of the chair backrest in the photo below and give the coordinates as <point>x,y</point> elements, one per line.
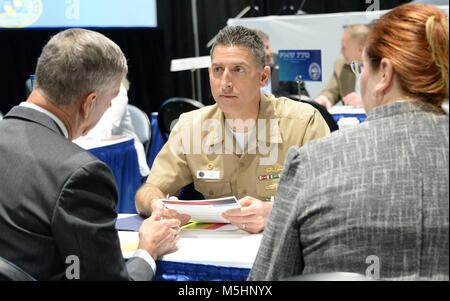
<point>28,87</point>
<point>171,109</point>
<point>333,276</point>
<point>142,126</point>
<point>11,272</point>
<point>332,124</point>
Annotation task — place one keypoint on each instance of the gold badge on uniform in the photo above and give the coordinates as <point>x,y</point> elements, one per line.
<point>274,169</point>
<point>210,166</point>
<point>271,187</point>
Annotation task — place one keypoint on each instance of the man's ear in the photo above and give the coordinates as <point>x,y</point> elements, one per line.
<point>265,75</point>
<point>88,104</point>
<point>386,76</point>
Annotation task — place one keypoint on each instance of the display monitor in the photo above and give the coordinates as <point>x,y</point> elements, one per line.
<point>77,13</point>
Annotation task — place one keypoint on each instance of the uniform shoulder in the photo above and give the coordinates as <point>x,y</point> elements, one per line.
<point>339,63</point>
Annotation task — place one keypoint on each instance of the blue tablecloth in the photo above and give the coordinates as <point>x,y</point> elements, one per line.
<point>122,159</point>
<point>180,271</point>
<point>157,141</point>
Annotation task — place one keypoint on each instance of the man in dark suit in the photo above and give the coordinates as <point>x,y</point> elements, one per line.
<point>57,201</point>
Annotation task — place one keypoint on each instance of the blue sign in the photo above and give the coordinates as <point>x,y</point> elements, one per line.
<point>77,13</point>
<point>304,63</point>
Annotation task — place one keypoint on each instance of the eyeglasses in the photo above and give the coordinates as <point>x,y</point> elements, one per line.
<point>357,67</point>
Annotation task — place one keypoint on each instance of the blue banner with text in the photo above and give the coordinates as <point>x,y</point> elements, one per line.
<point>303,65</point>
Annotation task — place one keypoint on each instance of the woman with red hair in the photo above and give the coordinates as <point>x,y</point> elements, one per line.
<point>374,199</point>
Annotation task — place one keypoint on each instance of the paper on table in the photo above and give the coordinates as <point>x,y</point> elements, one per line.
<point>130,223</point>
<point>204,211</point>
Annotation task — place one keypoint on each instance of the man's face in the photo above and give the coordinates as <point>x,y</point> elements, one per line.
<point>350,49</point>
<point>236,79</point>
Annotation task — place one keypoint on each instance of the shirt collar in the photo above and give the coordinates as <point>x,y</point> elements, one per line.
<point>266,113</point>
<point>49,114</point>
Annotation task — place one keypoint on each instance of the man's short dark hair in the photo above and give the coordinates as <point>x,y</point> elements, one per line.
<point>241,36</point>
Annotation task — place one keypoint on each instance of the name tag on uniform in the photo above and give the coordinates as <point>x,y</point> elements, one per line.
<point>208,174</point>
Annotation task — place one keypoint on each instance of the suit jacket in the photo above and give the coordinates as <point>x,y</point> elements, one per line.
<point>58,200</point>
<point>379,189</point>
<point>341,83</point>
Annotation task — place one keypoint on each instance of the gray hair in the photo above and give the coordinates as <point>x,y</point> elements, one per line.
<point>358,32</point>
<point>242,36</point>
<point>76,62</point>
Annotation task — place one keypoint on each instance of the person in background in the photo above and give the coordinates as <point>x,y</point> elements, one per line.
<point>374,199</point>
<point>58,201</point>
<point>117,122</point>
<point>237,146</point>
<point>344,85</point>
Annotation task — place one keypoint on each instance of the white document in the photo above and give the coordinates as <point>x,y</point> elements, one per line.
<point>204,211</point>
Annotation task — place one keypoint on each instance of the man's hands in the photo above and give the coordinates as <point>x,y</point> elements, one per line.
<point>157,206</point>
<point>324,101</point>
<point>352,99</point>
<point>158,236</point>
<point>252,216</point>
<point>148,200</point>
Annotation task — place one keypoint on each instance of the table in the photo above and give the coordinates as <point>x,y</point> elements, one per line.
<point>222,254</point>
<point>120,155</point>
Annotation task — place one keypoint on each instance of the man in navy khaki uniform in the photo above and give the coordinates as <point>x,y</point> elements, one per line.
<point>237,146</point>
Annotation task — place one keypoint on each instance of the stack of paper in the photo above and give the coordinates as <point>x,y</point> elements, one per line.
<point>204,211</point>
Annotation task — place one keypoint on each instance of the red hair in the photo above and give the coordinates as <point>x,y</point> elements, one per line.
<point>414,37</point>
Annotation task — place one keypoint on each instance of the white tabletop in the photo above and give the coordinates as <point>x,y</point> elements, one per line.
<point>90,143</point>
<point>225,246</point>
<point>339,108</point>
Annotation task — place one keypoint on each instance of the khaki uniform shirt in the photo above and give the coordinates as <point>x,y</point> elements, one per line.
<point>202,150</point>
<point>341,83</point>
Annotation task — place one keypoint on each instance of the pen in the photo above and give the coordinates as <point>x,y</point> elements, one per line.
<point>164,205</point>
<point>188,225</point>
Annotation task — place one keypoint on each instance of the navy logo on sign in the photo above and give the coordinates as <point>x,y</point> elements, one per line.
<point>19,13</point>
<point>314,71</point>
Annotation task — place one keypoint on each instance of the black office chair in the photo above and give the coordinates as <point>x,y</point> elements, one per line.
<point>332,124</point>
<point>11,272</point>
<point>333,276</point>
<point>171,109</point>
<point>142,126</point>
